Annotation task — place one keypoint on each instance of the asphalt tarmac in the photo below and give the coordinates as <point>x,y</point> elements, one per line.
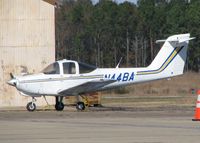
<point>99,126</point>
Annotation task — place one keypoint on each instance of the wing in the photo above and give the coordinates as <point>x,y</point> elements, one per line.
<point>86,87</point>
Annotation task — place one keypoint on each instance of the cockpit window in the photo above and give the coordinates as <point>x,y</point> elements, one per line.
<point>85,68</point>
<point>69,68</point>
<point>52,69</point>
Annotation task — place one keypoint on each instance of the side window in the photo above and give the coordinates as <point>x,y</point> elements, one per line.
<point>85,68</point>
<point>52,69</point>
<point>69,68</point>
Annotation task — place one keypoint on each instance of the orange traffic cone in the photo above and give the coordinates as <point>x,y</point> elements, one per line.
<point>197,112</point>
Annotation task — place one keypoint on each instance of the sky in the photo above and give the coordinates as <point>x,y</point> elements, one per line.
<point>118,1</point>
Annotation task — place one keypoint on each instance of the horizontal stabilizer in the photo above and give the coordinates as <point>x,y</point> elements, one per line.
<point>187,39</point>
<point>176,40</point>
<point>160,41</point>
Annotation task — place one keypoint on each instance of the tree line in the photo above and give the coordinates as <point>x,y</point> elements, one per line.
<point>104,33</point>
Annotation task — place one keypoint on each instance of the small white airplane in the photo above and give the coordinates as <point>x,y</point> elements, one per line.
<point>72,78</point>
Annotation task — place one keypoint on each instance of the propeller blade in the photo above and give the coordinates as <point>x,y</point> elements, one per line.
<point>12,76</point>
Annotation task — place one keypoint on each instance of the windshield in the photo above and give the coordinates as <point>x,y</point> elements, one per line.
<point>85,68</point>
<point>52,69</point>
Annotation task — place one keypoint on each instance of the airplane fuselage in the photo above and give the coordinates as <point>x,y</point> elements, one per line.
<point>41,84</point>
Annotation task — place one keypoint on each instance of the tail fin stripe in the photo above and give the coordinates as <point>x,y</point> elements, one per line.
<point>164,65</point>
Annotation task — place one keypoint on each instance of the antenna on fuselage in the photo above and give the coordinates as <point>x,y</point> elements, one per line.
<point>119,63</point>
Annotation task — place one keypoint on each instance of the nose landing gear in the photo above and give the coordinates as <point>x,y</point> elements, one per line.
<point>31,105</point>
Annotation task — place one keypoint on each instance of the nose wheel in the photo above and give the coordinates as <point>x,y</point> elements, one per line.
<point>31,105</point>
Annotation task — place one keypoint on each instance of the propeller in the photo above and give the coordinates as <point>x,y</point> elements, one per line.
<point>13,80</point>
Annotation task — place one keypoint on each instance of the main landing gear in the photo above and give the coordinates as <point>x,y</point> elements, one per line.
<point>31,105</point>
<point>80,106</point>
<point>59,104</point>
<point>82,103</point>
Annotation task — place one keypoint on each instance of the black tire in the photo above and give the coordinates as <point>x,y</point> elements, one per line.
<point>31,106</point>
<point>59,106</point>
<point>80,106</point>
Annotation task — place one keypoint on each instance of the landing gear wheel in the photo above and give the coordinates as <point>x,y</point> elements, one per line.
<point>31,106</point>
<point>59,106</point>
<point>80,106</point>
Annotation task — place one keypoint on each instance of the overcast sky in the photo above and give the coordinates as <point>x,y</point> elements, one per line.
<point>118,1</point>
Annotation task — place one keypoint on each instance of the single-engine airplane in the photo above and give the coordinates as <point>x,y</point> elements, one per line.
<point>72,78</point>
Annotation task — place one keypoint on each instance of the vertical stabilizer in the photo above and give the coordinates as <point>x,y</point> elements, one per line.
<point>171,58</point>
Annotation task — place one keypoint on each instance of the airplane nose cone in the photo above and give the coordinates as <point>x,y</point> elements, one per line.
<point>12,82</point>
